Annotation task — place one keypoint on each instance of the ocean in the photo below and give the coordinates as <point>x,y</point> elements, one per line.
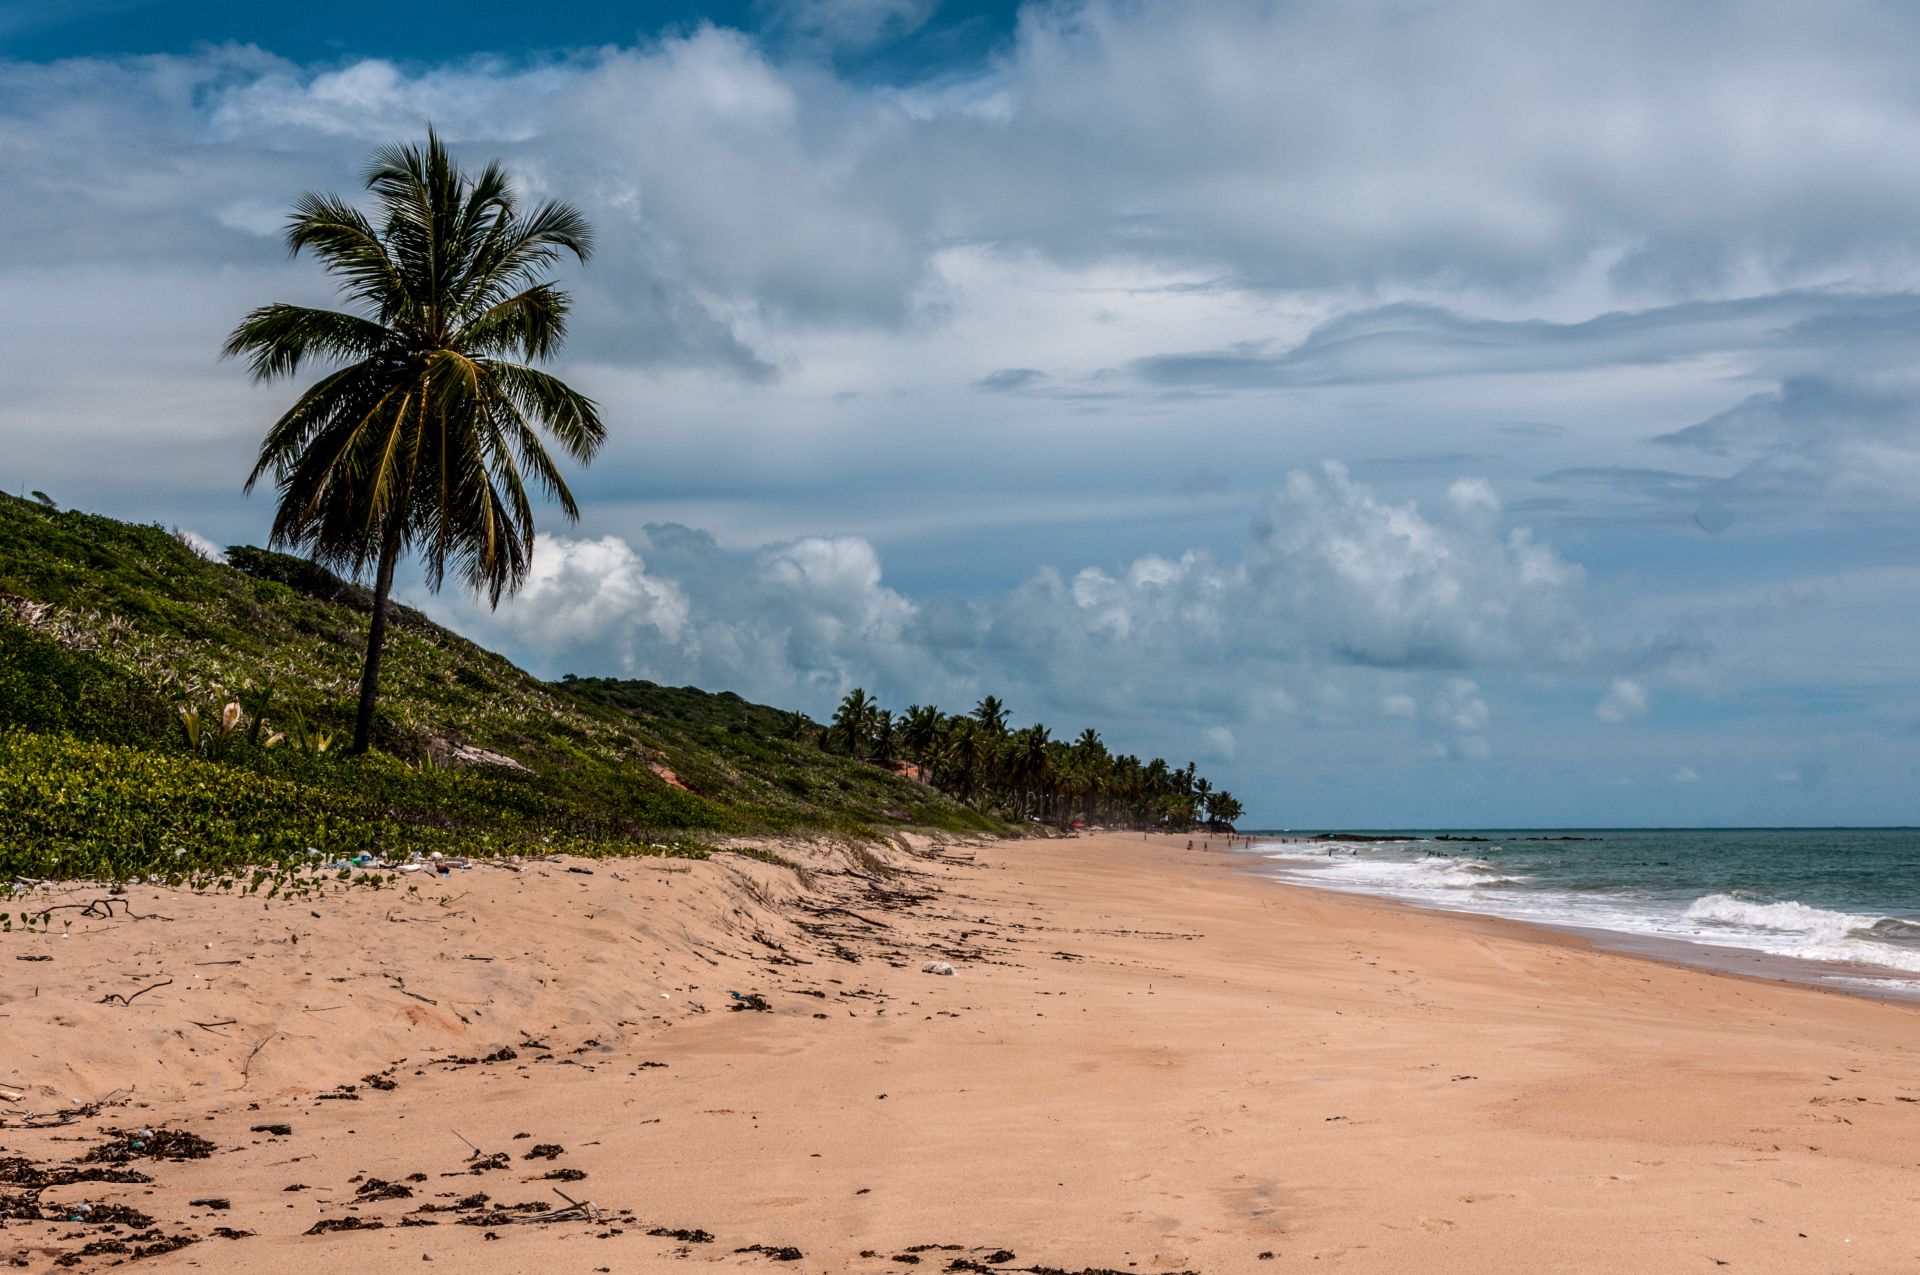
<point>1831,905</point>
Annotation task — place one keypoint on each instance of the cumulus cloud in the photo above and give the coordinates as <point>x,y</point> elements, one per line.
<point>579,594</point>
<point>1382,584</point>
<point>1686,775</point>
<point>1335,577</point>
<point>1624,699</point>
<point>200,544</point>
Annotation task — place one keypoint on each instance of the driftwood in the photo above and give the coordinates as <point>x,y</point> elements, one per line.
<point>101,909</point>
<point>67,1115</point>
<point>128,1000</point>
<point>840,911</point>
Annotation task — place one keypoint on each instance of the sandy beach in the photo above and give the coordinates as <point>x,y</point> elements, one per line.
<point>1147,1060</point>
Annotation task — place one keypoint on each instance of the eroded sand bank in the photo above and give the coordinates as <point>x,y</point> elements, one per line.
<point>1147,1061</point>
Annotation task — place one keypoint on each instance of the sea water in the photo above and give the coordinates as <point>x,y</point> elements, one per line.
<point>1841,904</point>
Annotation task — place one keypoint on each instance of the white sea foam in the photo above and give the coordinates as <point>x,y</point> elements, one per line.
<point>1791,928</point>
<point>1788,917</point>
<point>1779,928</point>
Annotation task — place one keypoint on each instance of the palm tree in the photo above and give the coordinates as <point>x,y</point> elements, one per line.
<point>920,732</point>
<point>1223,809</point>
<point>992,716</point>
<point>963,756</point>
<point>853,721</point>
<point>884,737</point>
<point>1031,765</point>
<point>423,436</point>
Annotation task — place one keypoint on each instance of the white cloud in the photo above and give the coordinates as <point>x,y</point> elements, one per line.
<point>1624,699</point>
<point>200,544</point>
<point>1686,775</point>
<point>1221,744</point>
<point>1381,584</point>
<point>591,597</point>
<point>1336,579</point>
<point>1459,707</point>
<point>844,25</point>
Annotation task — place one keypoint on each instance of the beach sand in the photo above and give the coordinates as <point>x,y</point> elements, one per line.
<point>1148,1060</point>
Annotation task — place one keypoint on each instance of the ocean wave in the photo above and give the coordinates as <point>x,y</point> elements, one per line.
<point>1786,928</point>
<point>1789,917</point>
<point>1815,934</point>
<point>1891,929</point>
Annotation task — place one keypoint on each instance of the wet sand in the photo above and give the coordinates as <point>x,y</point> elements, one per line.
<point>1147,1060</point>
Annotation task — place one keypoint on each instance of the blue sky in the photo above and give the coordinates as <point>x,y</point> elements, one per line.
<point>1417,414</point>
<point>870,41</point>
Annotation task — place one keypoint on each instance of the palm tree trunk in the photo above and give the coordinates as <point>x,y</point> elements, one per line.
<point>376,639</point>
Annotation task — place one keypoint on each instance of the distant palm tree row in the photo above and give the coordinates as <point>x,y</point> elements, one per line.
<point>978,759</point>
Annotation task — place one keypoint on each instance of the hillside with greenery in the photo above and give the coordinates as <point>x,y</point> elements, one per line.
<point>162,712</point>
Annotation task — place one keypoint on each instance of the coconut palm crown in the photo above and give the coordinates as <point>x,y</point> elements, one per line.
<point>423,436</point>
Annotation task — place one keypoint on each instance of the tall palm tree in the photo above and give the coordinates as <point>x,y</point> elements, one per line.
<point>920,732</point>
<point>853,722</point>
<point>1031,766</point>
<point>992,716</point>
<point>884,736</point>
<point>423,435</point>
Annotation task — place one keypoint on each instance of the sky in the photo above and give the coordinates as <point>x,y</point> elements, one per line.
<point>1469,414</point>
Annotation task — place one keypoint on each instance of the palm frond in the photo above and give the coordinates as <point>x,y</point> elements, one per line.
<point>530,324</point>
<point>278,339</point>
<point>562,412</point>
<point>350,250</point>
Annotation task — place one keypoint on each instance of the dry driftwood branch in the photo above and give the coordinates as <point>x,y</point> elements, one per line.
<point>246,1068</point>
<point>840,911</point>
<point>67,1115</point>
<point>101,909</point>
<point>128,1000</point>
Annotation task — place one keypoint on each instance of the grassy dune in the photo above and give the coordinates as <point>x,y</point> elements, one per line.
<point>108,630</point>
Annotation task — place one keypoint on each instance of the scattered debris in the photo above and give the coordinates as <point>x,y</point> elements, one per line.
<point>778,1252</point>
<point>325,1225</point>
<point>149,1144</point>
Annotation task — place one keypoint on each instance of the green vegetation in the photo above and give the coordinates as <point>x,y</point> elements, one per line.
<point>109,630</point>
<point>976,758</point>
<point>422,436</point>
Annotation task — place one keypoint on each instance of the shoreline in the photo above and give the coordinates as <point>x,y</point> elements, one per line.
<point>1874,982</point>
<point>1730,962</point>
<point>1141,1064</point>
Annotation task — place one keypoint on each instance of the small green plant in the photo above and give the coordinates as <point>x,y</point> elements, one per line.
<point>305,737</point>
